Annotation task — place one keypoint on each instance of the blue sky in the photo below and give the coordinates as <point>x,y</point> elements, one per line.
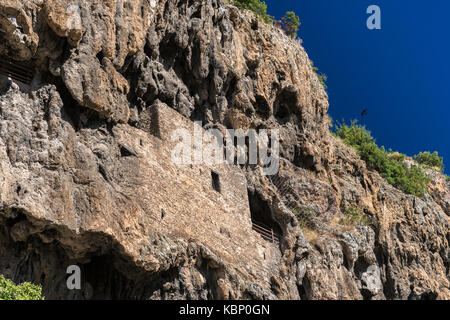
<point>400,73</point>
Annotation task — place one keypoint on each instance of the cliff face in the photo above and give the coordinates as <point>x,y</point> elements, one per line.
<point>84,170</point>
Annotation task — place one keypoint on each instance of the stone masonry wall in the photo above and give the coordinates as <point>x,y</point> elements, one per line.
<point>182,203</point>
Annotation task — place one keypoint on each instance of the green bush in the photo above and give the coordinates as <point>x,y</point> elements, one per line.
<point>431,160</point>
<point>410,179</point>
<point>24,291</point>
<point>305,217</point>
<point>354,216</point>
<point>258,7</point>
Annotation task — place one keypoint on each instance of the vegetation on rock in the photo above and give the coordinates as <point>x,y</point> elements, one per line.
<point>354,216</point>
<point>290,24</point>
<point>432,160</point>
<point>24,291</point>
<point>304,216</point>
<point>258,7</point>
<point>409,178</point>
<point>322,76</point>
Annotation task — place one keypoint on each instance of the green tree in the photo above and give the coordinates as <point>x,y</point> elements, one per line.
<point>24,291</point>
<point>258,7</point>
<point>291,24</point>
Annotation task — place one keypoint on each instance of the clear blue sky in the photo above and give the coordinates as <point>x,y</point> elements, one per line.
<point>399,73</point>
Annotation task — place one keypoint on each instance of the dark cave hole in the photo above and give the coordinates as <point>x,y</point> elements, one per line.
<point>126,151</point>
<point>100,57</point>
<point>166,8</point>
<point>255,25</point>
<point>102,278</point>
<point>262,107</point>
<point>252,66</point>
<point>303,160</point>
<point>304,289</point>
<point>16,215</point>
<point>106,282</point>
<point>282,114</point>
<point>361,266</point>
<point>50,233</point>
<point>231,87</point>
<point>169,50</point>
<point>102,171</point>
<point>261,213</point>
<point>70,111</point>
<point>197,14</point>
<point>284,103</point>
<point>215,177</point>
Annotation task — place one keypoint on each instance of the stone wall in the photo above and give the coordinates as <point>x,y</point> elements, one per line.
<point>181,201</point>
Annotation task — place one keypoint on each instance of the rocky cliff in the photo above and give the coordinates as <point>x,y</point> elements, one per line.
<point>76,190</point>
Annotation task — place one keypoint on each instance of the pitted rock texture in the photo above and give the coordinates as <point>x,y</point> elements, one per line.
<point>68,181</point>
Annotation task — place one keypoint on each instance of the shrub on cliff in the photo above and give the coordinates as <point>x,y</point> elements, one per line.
<point>354,216</point>
<point>290,24</point>
<point>430,160</point>
<point>305,217</point>
<point>24,291</point>
<point>323,78</point>
<point>258,7</point>
<point>408,178</point>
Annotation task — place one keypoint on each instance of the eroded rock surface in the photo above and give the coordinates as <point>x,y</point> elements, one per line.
<point>68,180</point>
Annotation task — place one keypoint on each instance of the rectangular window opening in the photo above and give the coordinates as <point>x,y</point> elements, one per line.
<point>215,181</point>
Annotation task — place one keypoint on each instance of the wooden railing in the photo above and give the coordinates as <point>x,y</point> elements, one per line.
<point>16,71</point>
<point>266,232</point>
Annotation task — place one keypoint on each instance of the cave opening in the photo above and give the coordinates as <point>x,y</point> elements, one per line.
<point>108,277</point>
<point>284,104</point>
<point>262,107</point>
<point>282,113</point>
<point>261,214</point>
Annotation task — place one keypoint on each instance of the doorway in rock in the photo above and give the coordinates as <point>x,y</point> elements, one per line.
<point>215,177</point>
<point>261,215</point>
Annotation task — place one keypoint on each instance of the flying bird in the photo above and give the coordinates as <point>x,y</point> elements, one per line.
<point>364,112</point>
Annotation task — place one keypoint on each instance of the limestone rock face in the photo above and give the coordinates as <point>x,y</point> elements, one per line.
<point>17,30</point>
<point>86,176</point>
